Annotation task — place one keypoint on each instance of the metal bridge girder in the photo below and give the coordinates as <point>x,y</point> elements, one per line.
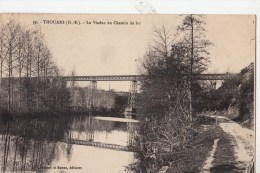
<point>103,78</point>
<point>132,95</point>
<point>133,87</point>
<point>93,94</point>
<point>215,76</point>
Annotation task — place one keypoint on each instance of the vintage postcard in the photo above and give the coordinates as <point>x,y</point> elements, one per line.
<point>103,93</point>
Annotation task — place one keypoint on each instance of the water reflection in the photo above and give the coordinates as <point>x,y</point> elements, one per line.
<point>43,145</point>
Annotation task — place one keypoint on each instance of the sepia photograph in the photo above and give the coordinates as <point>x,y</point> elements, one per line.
<point>134,93</point>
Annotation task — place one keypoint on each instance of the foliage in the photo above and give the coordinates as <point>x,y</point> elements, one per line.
<point>30,81</point>
<point>120,103</point>
<point>236,93</point>
<point>192,33</point>
<point>102,101</point>
<point>166,101</point>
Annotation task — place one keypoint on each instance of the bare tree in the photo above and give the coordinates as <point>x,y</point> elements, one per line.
<point>11,33</point>
<point>73,85</point>
<point>20,60</point>
<point>38,47</point>
<point>26,69</point>
<point>3,54</point>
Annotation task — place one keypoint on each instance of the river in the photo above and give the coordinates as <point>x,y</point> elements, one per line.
<point>44,144</point>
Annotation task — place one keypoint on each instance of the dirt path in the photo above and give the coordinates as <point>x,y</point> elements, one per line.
<point>210,159</point>
<point>244,140</point>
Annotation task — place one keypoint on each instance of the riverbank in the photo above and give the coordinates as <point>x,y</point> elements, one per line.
<point>215,149</point>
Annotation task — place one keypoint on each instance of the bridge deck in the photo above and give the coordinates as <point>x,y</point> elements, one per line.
<point>100,145</point>
<point>215,76</point>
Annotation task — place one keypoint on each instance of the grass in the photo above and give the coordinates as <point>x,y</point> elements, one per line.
<point>224,161</point>
<point>192,159</point>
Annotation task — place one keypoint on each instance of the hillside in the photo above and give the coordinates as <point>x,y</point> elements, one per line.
<point>237,97</point>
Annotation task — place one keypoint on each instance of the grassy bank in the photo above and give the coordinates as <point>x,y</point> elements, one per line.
<point>224,161</point>
<point>192,159</point>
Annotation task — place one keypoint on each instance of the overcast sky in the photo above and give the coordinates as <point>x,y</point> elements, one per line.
<point>115,49</point>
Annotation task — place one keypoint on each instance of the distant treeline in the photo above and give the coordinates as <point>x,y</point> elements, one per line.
<point>84,100</point>
<point>29,78</point>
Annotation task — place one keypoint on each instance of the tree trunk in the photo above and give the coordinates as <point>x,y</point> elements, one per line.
<point>191,71</point>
